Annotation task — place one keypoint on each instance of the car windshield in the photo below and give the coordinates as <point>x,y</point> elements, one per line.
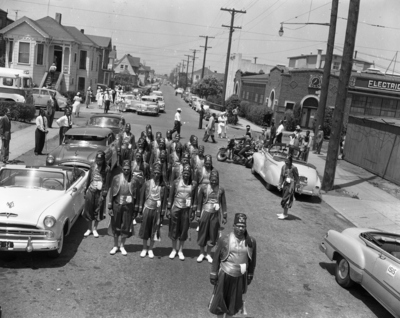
<point>147,99</point>
<point>104,122</point>
<point>85,139</point>
<point>35,178</point>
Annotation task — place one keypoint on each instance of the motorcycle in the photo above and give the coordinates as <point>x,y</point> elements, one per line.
<point>232,151</point>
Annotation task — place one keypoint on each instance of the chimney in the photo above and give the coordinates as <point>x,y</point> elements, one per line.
<point>318,63</point>
<point>355,54</point>
<point>83,31</point>
<point>58,17</point>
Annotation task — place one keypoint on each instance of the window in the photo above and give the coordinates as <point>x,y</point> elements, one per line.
<point>197,77</point>
<point>97,64</point>
<point>39,54</point>
<point>82,60</point>
<point>358,105</point>
<point>121,67</point>
<point>126,67</point>
<point>289,105</point>
<point>373,106</point>
<point>44,92</point>
<point>75,58</point>
<point>10,51</point>
<point>388,107</point>
<point>336,65</point>
<point>81,83</point>
<point>256,98</point>
<point>8,81</point>
<point>23,54</point>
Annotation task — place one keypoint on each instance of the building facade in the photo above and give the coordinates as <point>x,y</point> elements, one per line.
<point>4,21</point>
<point>128,66</point>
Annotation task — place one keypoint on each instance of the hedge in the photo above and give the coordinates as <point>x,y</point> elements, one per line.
<point>256,113</point>
<point>19,111</point>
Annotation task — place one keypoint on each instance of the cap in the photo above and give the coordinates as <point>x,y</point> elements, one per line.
<point>240,219</point>
<point>207,158</point>
<point>298,127</point>
<point>179,110</point>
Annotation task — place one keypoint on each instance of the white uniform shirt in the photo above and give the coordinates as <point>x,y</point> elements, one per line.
<point>177,116</point>
<point>41,123</point>
<point>64,122</point>
<point>280,129</point>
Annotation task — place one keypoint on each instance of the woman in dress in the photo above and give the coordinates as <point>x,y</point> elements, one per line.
<point>211,208</point>
<point>77,104</point>
<point>96,192</point>
<point>287,183</point>
<point>182,207</point>
<point>153,206</point>
<point>222,125</point>
<point>99,97</point>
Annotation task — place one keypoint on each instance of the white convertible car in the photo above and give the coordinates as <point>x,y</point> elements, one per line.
<point>39,205</point>
<point>268,164</point>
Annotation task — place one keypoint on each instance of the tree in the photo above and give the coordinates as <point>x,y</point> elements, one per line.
<point>297,114</point>
<point>182,80</point>
<point>208,86</point>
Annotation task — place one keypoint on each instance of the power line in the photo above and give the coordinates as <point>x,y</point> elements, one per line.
<point>308,12</point>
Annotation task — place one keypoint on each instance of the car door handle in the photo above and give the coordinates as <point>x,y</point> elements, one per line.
<point>381,256</point>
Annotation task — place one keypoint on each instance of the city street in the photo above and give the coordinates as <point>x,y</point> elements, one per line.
<point>292,278</point>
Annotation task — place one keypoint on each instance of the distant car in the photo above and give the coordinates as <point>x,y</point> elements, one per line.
<point>39,207</point>
<point>197,102</point>
<point>370,258</point>
<point>148,105</point>
<point>80,146</point>
<point>115,122</point>
<point>161,103</point>
<point>126,100</point>
<point>268,163</point>
<point>179,91</point>
<point>42,95</point>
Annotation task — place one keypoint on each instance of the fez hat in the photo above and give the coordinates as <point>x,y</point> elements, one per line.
<point>126,163</point>
<point>208,158</point>
<point>240,219</point>
<point>186,168</point>
<point>157,167</point>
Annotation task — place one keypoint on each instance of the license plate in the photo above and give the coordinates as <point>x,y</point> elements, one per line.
<point>8,245</point>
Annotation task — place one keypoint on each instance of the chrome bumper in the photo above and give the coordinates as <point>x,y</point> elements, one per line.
<point>20,245</point>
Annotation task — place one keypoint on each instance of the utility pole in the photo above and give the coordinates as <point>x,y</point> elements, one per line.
<point>327,70</point>
<point>205,52</point>
<point>194,57</point>
<point>338,113</point>
<point>187,70</point>
<point>255,60</point>
<point>231,30</point>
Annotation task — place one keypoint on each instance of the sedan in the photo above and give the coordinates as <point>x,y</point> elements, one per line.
<point>370,258</point>
<point>148,105</point>
<point>161,103</point>
<point>42,96</point>
<point>115,122</point>
<point>268,163</point>
<point>126,100</point>
<point>80,146</point>
<point>39,207</point>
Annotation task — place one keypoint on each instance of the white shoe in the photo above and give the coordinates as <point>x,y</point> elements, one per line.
<point>197,229</point>
<point>172,255</point>
<point>134,222</point>
<point>123,251</point>
<point>143,253</point>
<point>151,254</point>
<point>282,217</point>
<point>209,259</point>
<point>114,250</point>
<point>95,234</point>
<point>200,258</point>
<point>181,256</point>
<point>87,233</point>
<point>279,214</point>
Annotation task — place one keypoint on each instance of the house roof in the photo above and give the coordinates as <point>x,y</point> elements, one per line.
<point>33,24</point>
<point>134,61</point>
<point>79,36</point>
<point>54,29</point>
<point>101,41</point>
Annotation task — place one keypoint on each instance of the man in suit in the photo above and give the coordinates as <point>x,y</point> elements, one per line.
<point>5,134</point>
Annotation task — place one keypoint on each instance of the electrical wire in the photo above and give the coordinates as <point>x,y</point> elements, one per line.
<point>330,2</point>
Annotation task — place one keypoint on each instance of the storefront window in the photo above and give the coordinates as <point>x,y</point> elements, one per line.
<point>358,105</point>
<point>373,106</point>
<point>389,107</point>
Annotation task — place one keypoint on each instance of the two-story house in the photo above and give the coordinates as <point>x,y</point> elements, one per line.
<point>128,66</point>
<point>4,21</point>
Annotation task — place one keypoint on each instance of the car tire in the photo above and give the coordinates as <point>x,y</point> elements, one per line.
<point>342,273</point>
<point>221,155</point>
<point>56,253</point>
<point>269,186</point>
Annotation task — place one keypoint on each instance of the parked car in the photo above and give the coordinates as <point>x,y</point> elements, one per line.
<point>268,163</point>
<point>197,102</point>
<point>161,103</point>
<point>126,100</point>
<point>40,223</point>
<point>42,95</point>
<point>80,146</point>
<point>148,105</point>
<point>370,258</point>
<point>179,90</point>
<point>115,122</point>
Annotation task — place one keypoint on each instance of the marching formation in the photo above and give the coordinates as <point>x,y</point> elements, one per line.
<point>162,179</point>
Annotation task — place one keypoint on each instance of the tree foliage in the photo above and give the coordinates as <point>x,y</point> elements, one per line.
<point>208,86</point>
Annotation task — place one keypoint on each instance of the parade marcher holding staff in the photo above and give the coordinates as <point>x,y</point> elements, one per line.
<point>65,123</point>
<point>232,269</point>
<point>211,210</point>
<point>153,203</point>
<point>96,192</point>
<point>123,207</point>
<point>182,206</point>
<point>287,183</point>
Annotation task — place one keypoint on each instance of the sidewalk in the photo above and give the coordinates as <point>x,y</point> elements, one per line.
<point>374,209</point>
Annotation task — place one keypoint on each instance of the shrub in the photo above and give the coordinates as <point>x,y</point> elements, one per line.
<point>19,111</point>
<point>327,125</point>
<point>230,104</point>
<point>290,120</point>
<point>258,114</point>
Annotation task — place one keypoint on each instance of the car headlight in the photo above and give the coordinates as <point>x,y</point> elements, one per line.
<point>49,234</point>
<point>50,159</point>
<point>49,221</point>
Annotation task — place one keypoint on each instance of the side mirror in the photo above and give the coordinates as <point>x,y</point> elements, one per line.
<point>74,189</point>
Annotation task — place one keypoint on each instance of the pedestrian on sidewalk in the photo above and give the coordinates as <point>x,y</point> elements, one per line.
<point>65,123</point>
<point>97,186</point>
<point>52,73</point>
<point>5,134</point>
<point>210,130</point>
<point>211,206</point>
<point>41,132</point>
<point>77,105</point>
<point>233,269</point>
<point>287,183</point>
<point>99,97</point>
<point>122,207</point>
<point>177,122</point>
<point>152,207</point>
<point>304,147</point>
<point>272,133</point>
<point>320,139</point>
<point>113,94</point>
<point>279,133</point>
<point>222,119</point>
<point>107,101</point>
<point>50,111</point>
<point>88,96</point>
<point>235,113</point>
<point>201,116</point>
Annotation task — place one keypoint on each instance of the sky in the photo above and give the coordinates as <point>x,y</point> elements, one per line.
<point>162,32</point>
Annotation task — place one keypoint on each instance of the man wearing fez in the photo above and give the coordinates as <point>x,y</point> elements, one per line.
<point>123,206</point>
<point>232,269</point>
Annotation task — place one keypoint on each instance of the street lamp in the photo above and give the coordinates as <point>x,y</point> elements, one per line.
<point>305,23</point>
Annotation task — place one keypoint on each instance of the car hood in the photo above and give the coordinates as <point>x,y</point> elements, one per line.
<point>77,152</point>
<point>27,203</point>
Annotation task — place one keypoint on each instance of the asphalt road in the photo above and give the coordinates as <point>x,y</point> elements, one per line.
<point>292,279</point>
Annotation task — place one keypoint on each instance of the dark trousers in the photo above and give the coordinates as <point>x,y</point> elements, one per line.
<point>50,118</point>
<point>5,149</point>
<point>319,146</point>
<point>106,106</point>
<point>278,139</point>
<point>40,138</point>
<point>62,132</point>
<point>201,120</point>
<point>177,127</point>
